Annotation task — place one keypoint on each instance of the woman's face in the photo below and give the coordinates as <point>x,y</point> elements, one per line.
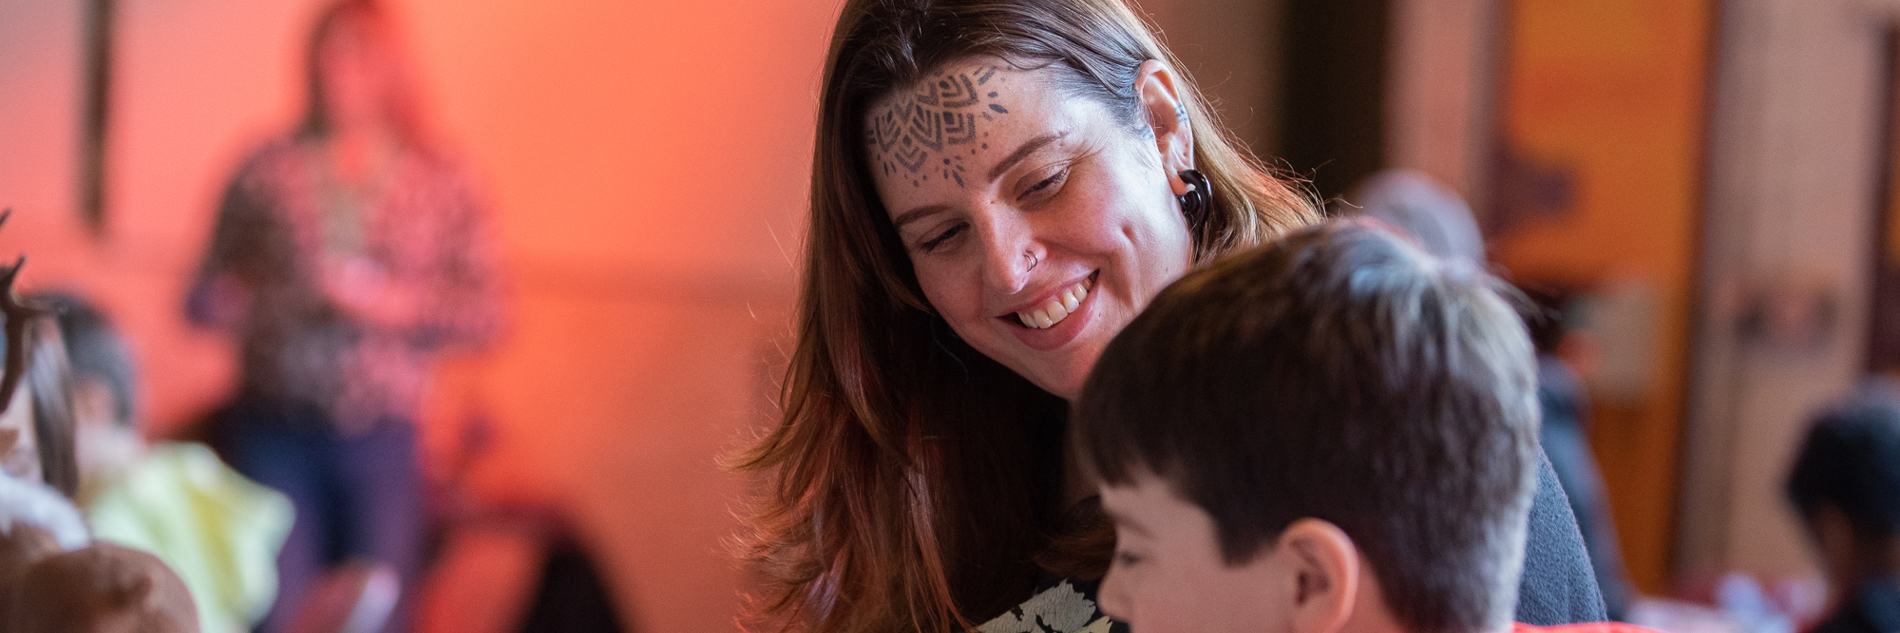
<point>1039,223</point>
<point>353,64</point>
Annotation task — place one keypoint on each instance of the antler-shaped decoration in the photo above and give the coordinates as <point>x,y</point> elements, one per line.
<point>17,314</point>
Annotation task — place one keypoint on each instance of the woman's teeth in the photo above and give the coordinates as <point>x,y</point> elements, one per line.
<point>1057,309</point>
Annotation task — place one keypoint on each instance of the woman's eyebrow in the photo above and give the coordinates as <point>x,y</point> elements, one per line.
<point>914,215</point>
<point>1028,147</point>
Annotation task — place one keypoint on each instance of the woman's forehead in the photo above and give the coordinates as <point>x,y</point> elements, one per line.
<point>936,129</point>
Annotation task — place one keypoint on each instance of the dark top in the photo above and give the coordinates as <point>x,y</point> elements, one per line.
<point>1558,586</point>
<point>1874,609</point>
<point>1566,415</point>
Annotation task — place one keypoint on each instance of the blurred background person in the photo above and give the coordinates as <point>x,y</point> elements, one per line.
<point>102,588</point>
<point>1428,212</point>
<point>36,427</point>
<point>346,257</point>
<point>219,531</point>
<point>35,522</point>
<point>53,577</point>
<point>1846,485</point>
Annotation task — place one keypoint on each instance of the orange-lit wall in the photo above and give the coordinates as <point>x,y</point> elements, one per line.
<point>646,166</point>
<point>1614,92</point>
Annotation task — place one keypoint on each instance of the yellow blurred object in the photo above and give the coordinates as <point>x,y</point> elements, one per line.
<point>218,530</point>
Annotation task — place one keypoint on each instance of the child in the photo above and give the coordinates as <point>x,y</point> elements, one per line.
<point>1333,434</point>
<point>99,589</point>
<point>53,577</point>
<point>218,530</point>
<point>1846,485</point>
<point>36,426</point>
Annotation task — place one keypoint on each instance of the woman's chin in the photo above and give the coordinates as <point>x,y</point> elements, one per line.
<point>1063,377</point>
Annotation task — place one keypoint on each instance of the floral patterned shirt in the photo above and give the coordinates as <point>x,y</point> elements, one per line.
<point>419,225</point>
<point>1068,607</point>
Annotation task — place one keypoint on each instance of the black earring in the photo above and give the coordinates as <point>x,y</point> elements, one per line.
<point>1196,203</point>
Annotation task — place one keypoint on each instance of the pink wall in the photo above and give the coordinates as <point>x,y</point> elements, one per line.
<point>646,164</point>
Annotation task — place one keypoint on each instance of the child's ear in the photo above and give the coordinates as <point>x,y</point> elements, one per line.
<point>1327,573</point>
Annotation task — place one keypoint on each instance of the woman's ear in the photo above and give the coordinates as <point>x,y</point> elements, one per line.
<point>1327,573</point>
<point>1167,119</point>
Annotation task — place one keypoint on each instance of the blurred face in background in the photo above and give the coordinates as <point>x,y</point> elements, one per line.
<point>357,73</point>
<point>19,447</point>
<point>1038,223</point>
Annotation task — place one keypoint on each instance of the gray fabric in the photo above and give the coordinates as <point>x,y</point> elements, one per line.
<point>1558,586</point>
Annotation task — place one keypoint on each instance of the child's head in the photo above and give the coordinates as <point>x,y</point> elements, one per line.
<point>36,522</point>
<point>1846,485</point>
<point>53,577</point>
<point>102,588</point>
<point>36,430</point>
<point>103,386</point>
<point>104,378</point>
<point>1334,420</point>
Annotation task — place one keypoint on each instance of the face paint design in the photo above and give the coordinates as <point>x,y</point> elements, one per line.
<point>921,135</point>
<point>1036,228</point>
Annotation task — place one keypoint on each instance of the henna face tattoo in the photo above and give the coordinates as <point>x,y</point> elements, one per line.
<point>920,134</point>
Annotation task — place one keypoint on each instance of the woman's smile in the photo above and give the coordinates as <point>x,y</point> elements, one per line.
<point>1052,310</point>
<point>1059,318</point>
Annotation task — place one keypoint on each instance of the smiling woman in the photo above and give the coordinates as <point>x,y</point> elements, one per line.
<point>997,190</point>
<point>1068,229</point>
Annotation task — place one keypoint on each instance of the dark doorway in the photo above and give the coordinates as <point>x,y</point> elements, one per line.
<point>1332,93</point>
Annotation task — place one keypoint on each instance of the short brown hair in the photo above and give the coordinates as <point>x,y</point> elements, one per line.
<point>1342,375</point>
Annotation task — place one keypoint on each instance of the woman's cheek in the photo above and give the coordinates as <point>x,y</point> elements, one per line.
<point>952,293</point>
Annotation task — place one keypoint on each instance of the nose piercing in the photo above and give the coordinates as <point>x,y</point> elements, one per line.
<point>1033,260</point>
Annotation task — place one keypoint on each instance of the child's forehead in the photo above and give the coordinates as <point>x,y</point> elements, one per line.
<point>1142,499</point>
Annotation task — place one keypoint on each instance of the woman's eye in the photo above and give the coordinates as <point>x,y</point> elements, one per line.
<point>1125,559</point>
<point>932,243</point>
<point>1047,183</point>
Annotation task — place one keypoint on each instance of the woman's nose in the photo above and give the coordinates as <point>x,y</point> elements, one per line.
<point>1011,253</point>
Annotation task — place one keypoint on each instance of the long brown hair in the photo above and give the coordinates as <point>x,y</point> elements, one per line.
<point>915,480</point>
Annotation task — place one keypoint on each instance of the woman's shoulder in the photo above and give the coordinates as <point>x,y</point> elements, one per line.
<point>1066,607</point>
<point>1558,585</point>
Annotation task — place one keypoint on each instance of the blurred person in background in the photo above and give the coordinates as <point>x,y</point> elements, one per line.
<point>1439,220</point>
<point>218,530</point>
<point>999,186</point>
<point>1420,208</point>
<point>52,576</point>
<point>101,588</point>
<point>55,578</point>
<point>1846,485</point>
<point>36,521</point>
<point>36,427</point>
<point>346,257</point>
